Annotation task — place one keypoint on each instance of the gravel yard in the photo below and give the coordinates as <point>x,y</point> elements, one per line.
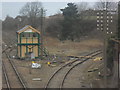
<point>37,78</point>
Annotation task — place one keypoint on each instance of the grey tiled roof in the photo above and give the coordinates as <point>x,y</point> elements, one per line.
<point>23,28</point>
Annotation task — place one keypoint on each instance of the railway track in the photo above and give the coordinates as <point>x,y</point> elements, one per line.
<point>5,77</point>
<point>63,71</point>
<point>13,78</point>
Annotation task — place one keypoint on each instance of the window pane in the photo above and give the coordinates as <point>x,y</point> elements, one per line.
<point>26,34</point>
<point>31,34</point>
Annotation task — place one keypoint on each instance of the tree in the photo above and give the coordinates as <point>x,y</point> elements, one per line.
<point>70,22</point>
<point>9,23</point>
<point>33,11</point>
<point>21,21</point>
<point>82,6</point>
<point>102,4</point>
<point>53,26</point>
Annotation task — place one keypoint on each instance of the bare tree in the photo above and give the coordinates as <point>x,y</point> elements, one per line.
<point>82,6</point>
<point>9,23</point>
<point>53,25</point>
<point>33,10</point>
<point>108,4</point>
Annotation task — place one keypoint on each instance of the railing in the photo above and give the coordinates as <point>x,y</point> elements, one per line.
<point>45,51</point>
<point>29,40</point>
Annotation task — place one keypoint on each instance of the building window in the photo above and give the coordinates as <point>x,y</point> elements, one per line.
<point>22,35</point>
<point>35,34</point>
<point>26,34</point>
<point>31,35</point>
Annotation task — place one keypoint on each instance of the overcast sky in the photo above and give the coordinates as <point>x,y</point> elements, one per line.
<point>12,7</point>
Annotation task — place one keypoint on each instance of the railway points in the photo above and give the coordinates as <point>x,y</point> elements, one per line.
<point>67,72</point>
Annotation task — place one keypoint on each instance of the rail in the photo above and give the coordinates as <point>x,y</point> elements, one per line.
<point>99,51</point>
<point>14,68</point>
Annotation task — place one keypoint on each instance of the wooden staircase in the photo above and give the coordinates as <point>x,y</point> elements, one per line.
<point>45,51</point>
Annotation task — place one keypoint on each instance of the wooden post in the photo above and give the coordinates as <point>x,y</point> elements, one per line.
<point>41,33</point>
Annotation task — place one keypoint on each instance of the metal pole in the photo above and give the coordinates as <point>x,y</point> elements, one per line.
<point>105,45</point>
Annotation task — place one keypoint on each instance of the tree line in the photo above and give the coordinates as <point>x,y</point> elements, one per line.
<point>76,20</point>
<point>70,24</point>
